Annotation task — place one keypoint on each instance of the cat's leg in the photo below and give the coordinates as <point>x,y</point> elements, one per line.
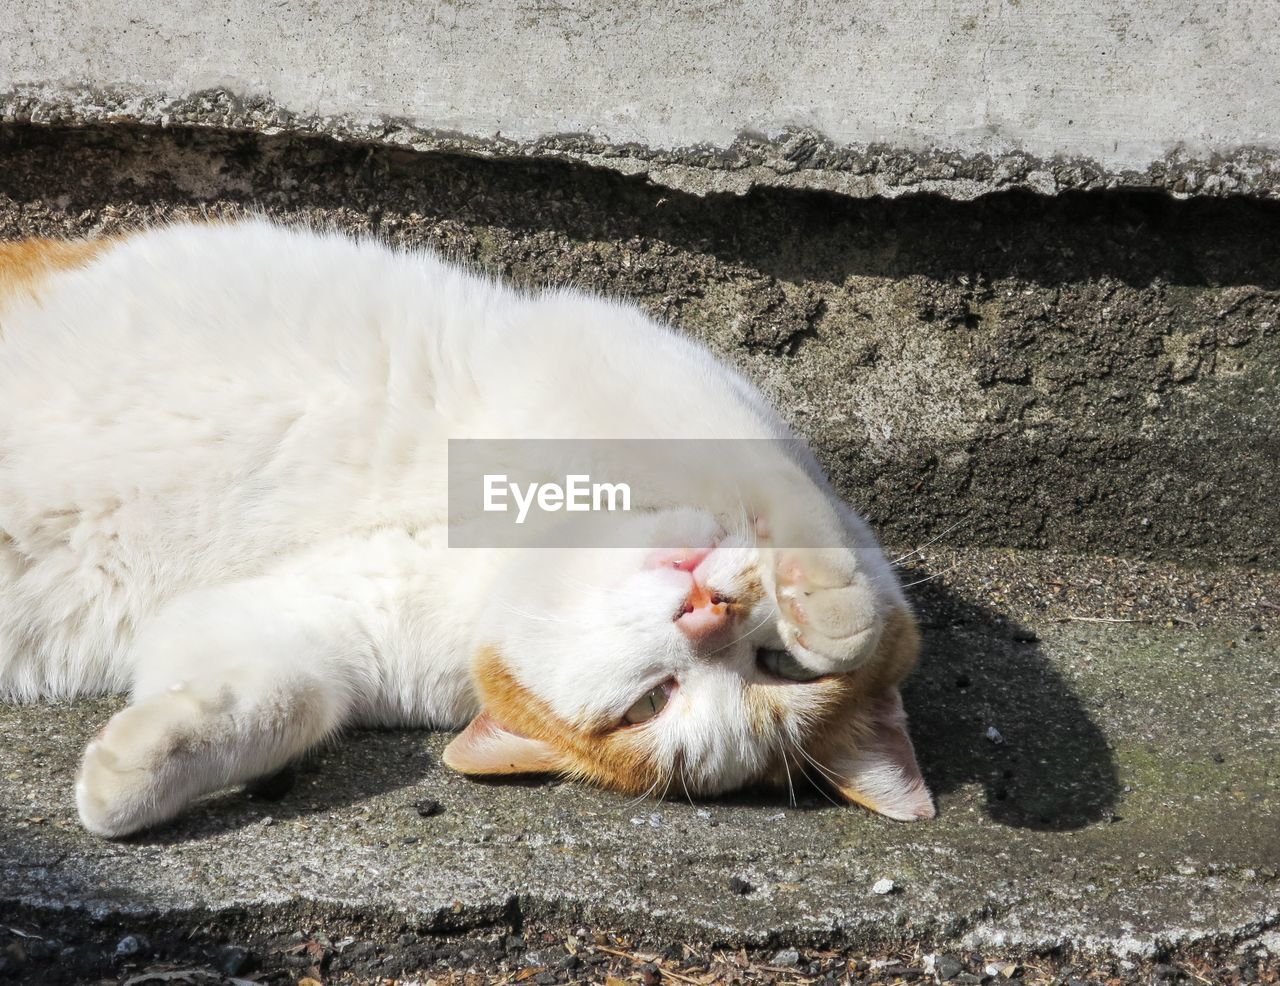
<point>231,684</point>
<point>833,587</point>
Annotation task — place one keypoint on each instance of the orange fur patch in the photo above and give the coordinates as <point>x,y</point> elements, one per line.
<point>26,264</point>
<point>598,752</point>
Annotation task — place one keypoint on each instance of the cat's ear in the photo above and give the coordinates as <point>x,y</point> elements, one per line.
<point>488,748</point>
<point>876,766</point>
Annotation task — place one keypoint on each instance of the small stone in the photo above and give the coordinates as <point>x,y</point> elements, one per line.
<point>231,960</point>
<point>740,886</point>
<point>883,886</point>
<point>649,974</point>
<point>130,945</point>
<point>11,962</point>
<point>570,962</point>
<point>948,967</point>
<point>410,840</point>
<point>513,943</point>
<point>787,958</point>
<point>545,978</point>
<point>994,735</point>
<point>428,807</point>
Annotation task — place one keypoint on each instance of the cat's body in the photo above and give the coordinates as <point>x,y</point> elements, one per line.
<point>223,477</point>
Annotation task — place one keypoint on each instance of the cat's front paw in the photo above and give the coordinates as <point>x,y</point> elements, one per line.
<point>828,614</point>
<point>124,783</point>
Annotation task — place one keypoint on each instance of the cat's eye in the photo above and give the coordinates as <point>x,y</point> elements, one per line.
<point>653,702</point>
<point>781,664</point>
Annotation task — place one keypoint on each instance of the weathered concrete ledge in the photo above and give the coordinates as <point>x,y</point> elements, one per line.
<point>1092,372</point>
<point>1100,821</point>
<point>951,97</point>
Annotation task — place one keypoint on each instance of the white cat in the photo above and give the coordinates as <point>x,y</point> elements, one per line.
<point>223,489</point>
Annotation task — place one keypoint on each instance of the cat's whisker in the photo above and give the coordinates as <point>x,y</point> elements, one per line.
<point>786,767</point>
<point>533,616</point>
<point>683,784</point>
<point>735,640</point>
<point>916,551</point>
<point>644,796</point>
<point>935,575</point>
<point>825,771</point>
<point>671,773</point>
<point>809,777</point>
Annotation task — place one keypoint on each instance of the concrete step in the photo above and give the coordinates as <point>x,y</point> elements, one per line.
<point>1130,804</point>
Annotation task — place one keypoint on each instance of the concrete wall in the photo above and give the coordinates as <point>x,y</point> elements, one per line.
<point>1096,372</point>
<point>954,96</point>
<point>1091,371</point>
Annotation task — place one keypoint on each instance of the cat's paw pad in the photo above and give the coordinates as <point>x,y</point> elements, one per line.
<point>829,617</point>
<point>123,784</point>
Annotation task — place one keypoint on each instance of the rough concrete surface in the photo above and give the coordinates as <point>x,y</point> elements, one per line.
<point>1094,372</point>
<point>957,97</point>
<point>1131,805</point>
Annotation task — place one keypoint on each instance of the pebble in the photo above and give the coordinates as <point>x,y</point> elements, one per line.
<point>947,967</point>
<point>130,945</point>
<point>740,886</point>
<point>994,735</point>
<point>787,957</point>
<point>231,960</point>
<point>428,807</point>
<point>883,886</point>
<point>649,974</point>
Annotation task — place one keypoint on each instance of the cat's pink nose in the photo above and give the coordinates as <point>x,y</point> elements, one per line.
<point>704,614</point>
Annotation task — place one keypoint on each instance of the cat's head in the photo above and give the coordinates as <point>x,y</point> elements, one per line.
<point>661,670</point>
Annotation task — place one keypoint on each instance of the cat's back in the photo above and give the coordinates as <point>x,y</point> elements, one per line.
<point>187,403</point>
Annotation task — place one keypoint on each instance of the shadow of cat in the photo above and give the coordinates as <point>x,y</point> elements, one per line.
<point>359,765</point>
<point>1047,765</point>
<point>1051,767</point>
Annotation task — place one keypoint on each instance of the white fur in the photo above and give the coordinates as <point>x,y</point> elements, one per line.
<point>222,488</point>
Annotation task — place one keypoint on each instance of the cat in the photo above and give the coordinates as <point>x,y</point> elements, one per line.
<point>224,491</point>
